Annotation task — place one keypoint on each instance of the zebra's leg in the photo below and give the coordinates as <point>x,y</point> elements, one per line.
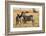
<point>20,21</point>
<point>16,22</point>
<point>33,22</point>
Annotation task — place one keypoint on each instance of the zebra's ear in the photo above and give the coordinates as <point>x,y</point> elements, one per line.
<point>35,11</point>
